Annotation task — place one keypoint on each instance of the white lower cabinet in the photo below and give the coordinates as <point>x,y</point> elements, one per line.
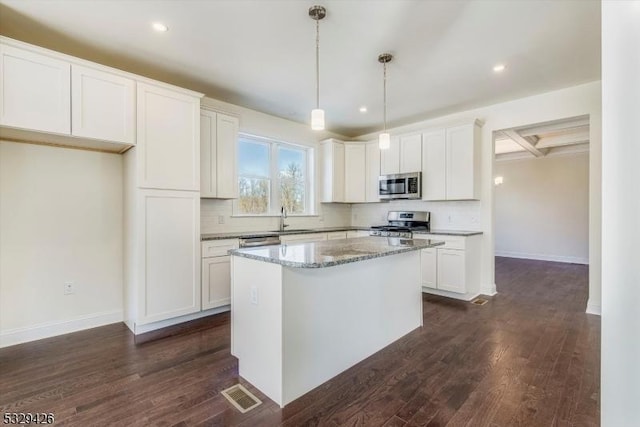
<point>453,269</point>
<point>216,273</point>
<point>429,263</point>
<point>168,269</point>
<point>450,271</point>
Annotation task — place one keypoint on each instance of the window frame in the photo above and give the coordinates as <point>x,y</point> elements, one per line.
<point>275,201</point>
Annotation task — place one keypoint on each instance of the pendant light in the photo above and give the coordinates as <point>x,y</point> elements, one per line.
<point>384,140</point>
<point>317,115</point>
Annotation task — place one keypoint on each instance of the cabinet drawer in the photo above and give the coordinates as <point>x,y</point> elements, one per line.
<point>213,248</point>
<point>450,242</point>
<point>335,235</point>
<point>303,238</point>
<point>357,233</point>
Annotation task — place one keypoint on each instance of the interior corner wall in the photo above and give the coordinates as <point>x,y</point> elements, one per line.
<point>620,373</point>
<point>542,208</point>
<point>60,221</point>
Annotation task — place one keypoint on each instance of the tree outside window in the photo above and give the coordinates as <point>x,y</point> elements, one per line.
<point>271,174</point>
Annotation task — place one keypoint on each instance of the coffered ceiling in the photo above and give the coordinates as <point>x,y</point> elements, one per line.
<point>260,54</point>
<point>563,136</point>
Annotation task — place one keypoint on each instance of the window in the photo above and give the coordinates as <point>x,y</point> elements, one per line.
<point>272,174</point>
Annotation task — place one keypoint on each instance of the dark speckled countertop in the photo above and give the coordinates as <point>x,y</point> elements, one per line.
<point>248,234</point>
<point>333,252</point>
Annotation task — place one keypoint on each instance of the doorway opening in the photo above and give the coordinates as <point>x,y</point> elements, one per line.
<point>541,196</point>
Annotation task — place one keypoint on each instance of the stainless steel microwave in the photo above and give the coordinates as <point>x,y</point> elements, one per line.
<point>400,186</point>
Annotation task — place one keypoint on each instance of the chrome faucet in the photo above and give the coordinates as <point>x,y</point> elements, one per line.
<point>283,216</point>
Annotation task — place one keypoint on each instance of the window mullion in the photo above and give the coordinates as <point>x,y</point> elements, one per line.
<point>275,181</point>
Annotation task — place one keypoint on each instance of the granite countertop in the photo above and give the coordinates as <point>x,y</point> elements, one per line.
<point>249,234</point>
<point>333,252</point>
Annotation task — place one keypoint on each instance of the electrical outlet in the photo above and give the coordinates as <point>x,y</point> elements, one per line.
<point>321,218</point>
<point>220,219</point>
<point>254,295</point>
<point>474,220</point>
<point>449,218</point>
<point>69,288</point>
<point>355,216</point>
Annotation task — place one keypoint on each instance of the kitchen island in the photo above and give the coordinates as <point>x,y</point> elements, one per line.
<point>303,313</point>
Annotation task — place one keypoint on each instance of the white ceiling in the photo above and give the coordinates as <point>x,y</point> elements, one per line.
<point>260,54</point>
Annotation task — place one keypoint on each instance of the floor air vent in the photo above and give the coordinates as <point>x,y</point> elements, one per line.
<point>479,301</point>
<point>241,398</point>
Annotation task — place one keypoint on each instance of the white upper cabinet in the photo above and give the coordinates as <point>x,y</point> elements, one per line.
<point>168,139</point>
<point>355,173</point>
<point>403,156</point>
<point>218,155</point>
<point>103,105</point>
<point>208,154</point>
<point>390,158</point>
<point>411,153</point>
<point>372,172</point>
<point>451,163</point>
<point>227,143</point>
<point>434,165</point>
<point>350,171</point>
<point>34,91</point>
<point>463,162</point>
<point>333,170</point>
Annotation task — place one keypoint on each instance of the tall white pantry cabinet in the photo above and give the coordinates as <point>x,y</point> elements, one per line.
<point>162,207</point>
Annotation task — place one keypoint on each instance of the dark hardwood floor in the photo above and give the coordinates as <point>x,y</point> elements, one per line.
<point>530,356</point>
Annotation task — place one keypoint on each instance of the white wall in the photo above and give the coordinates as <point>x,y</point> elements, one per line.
<point>574,101</point>
<point>620,213</point>
<point>260,124</point>
<point>542,208</point>
<point>60,220</point>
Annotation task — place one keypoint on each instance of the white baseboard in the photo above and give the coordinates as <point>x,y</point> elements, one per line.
<point>593,308</point>
<point>463,297</point>
<point>490,290</point>
<point>141,329</point>
<point>543,257</point>
<point>52,329</point>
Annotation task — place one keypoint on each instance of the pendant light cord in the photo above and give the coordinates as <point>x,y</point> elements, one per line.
<point>317,63</point>
<point>384,97</point>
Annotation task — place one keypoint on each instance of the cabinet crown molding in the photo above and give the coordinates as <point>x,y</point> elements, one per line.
<point>73,60</point>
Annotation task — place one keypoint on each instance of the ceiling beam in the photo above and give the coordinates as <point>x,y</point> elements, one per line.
<point>564,139</point>
<point>525,143</point>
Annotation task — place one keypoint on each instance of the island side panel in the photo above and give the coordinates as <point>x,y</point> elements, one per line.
<point>256,319</point>
<point>337,316</point>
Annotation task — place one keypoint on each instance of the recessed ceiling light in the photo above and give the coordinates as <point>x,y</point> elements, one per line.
<point>499,68</point>
<point>160,27</point>
<point>363,109</point>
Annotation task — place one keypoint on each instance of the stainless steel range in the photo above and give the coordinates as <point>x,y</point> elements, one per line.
<point>402,224</point>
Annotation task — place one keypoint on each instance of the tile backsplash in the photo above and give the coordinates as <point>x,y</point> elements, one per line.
<point>216,216</point>
<point>458,215</point>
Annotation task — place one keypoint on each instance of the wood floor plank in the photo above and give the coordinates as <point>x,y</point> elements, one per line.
<point>530,356</point>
